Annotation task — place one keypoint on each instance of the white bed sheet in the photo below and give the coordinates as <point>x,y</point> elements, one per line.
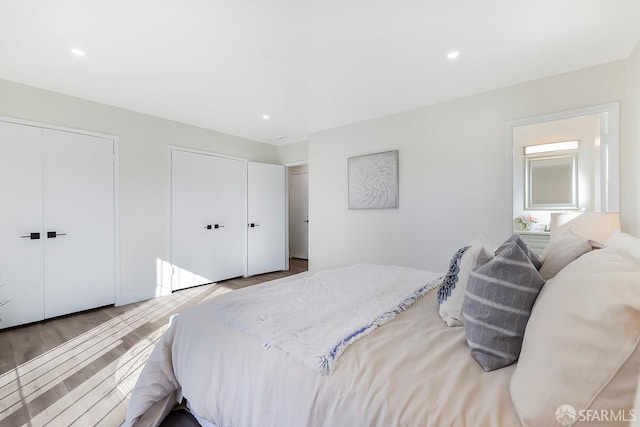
<point>413,371</point>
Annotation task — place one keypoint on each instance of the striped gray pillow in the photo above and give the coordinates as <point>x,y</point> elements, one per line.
<point>497,306</point>
<point>515,238</point>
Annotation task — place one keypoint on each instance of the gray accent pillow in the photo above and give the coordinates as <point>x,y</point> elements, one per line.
<point>497,306</point>
<point>515,238</point>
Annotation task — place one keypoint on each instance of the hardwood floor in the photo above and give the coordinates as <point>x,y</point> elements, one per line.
<point>80,369</point>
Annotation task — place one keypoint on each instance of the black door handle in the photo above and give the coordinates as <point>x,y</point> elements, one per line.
<point>307,221</point>
<point>208,227</point>
<point>32,236</point>
<point>54,234</point>
<point>253,224</point>
<point>218,226</point>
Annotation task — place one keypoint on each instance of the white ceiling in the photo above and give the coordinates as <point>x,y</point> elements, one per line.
<point>310,65</point>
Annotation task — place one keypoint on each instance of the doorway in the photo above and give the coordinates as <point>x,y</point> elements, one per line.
<point>299,211</point>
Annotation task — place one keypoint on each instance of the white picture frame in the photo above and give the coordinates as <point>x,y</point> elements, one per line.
<point>373,181</point>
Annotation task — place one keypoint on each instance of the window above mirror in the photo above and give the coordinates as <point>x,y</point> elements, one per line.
<point>550,147</point>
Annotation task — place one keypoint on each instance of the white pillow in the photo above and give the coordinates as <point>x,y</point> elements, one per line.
<point>580,345</point>
<point>452,290</point>
<point>625,243</point>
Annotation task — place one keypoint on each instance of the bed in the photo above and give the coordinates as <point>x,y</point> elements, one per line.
<point>579,355</point>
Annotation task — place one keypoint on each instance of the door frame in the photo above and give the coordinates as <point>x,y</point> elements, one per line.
<point>287,166</point>
<point>116,188</point>
<point>166,288</point>
<point>609,131</point>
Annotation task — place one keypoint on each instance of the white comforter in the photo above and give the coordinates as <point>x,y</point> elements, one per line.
<point>315,318</point>
<point>414,371</point>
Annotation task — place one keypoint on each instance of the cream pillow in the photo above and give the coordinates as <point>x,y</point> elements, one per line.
<point>562,251</point>
<point>451,292</point>
<point>581,343</point>
<point>625,243</point>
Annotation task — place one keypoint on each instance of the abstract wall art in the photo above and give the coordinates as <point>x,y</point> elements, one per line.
<point>373,181</point>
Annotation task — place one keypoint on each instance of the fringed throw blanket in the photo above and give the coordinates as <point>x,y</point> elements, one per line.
<point>315,318</point>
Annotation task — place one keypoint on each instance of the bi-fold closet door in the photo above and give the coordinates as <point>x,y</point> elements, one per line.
<point>208,218</point>
<point>57,223</point>
<point>227,218</point>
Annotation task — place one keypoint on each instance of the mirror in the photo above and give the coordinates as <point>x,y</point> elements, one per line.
<point>584,179</point>
<point>551,182</point>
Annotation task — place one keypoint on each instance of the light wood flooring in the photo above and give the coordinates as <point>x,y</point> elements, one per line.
<point>79,369</point>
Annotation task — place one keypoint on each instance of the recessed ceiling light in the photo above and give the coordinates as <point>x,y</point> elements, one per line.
<point>453,54</point>
<point>77,52</point>
<point>266,116</point>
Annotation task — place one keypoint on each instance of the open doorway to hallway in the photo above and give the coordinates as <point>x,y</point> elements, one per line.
<point>299,211</point>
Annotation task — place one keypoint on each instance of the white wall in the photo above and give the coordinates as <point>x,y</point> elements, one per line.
<point>454,171</point>
<point>630,148</point>
<point>144,170</point>
<point>292,153</point>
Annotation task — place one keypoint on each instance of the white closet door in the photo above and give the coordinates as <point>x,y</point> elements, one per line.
<point>266,213</point>
<point>299,215</point>
<point>191,214</point>
<point>228,217</point>
<point>21,272</point>
<point>78,234</point>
